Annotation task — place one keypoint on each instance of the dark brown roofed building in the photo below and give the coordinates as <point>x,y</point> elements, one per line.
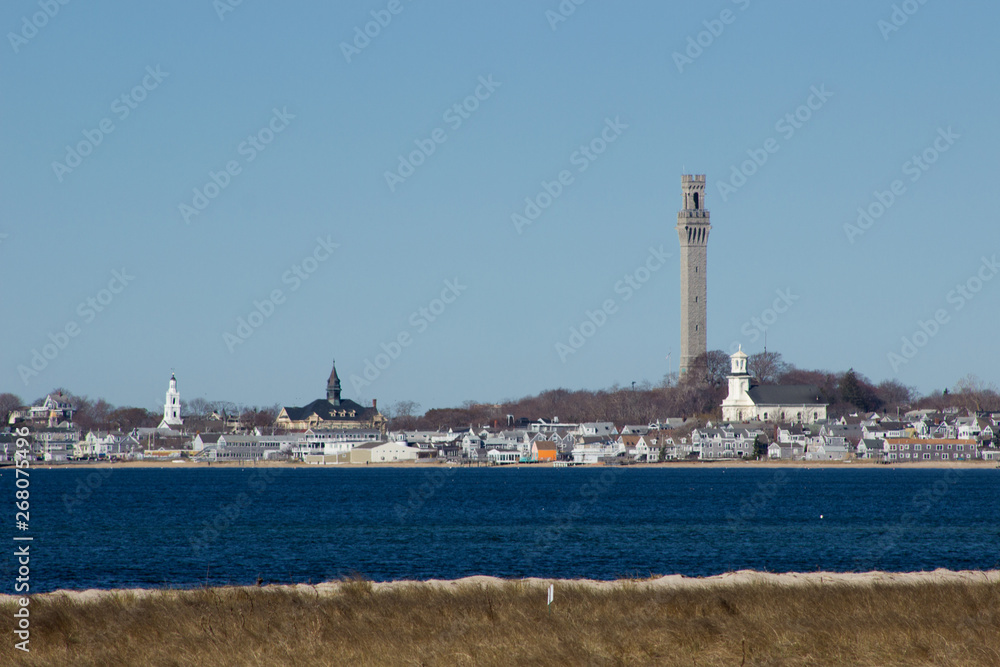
<point>333,412</point>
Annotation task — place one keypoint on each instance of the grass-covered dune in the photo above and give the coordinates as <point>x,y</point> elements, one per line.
<point>938,618</point>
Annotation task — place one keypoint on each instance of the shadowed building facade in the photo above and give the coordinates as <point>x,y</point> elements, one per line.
<point>693,226</point>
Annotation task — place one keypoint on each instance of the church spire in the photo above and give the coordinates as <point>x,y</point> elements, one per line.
<point>333,386</point>
<point>172,406</point>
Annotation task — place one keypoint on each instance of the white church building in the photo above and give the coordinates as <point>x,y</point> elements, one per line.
<point>172,406</point>
<point>801,403</point>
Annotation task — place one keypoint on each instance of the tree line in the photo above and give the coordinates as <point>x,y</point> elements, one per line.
<point>100,415</point>
<point>699,395</point>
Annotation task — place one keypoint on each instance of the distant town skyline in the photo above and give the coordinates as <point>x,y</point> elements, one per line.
<point>443,197</point>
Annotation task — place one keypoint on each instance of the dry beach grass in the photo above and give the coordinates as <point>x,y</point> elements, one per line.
<point>936,618</point>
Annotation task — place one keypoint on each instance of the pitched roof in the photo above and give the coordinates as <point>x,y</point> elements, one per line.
<point>327,411</point>
<point>789,394</point>
<point>373,445</point>
<point>887,425</point>
<point>931,441</point>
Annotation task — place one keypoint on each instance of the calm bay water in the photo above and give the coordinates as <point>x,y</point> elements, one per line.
<point>188,527</point>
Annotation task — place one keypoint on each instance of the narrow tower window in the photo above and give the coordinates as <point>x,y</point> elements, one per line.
<point>696,207</point>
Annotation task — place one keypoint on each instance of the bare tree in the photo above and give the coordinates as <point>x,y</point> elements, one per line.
<point>8,403</point>
<point>717,366</point>
<point>126,419</point>
<point>405,408</point>
<point>259,417</point>
<point>976,395</point>
<point>895,394</point>
<point>196,407</point>
<point>767,367</point>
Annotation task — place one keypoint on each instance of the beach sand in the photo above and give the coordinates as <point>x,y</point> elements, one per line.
<point>664,583</point>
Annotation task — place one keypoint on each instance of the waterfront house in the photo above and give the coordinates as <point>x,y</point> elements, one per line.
<point>203,440</point>
<point>887,429</point>
<point>228,447</point>
<point>651,447</point>
<point>384,452</point>
<point>503,456</point>
<point>871,449</point>
<point>330,442</point>
<point>543,451</point>
<point>828,451</point>
<point>587,453</point>
<point>903,450</point>
<point>790,452</point>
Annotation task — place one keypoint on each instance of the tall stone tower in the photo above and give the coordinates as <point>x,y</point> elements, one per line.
<point>693,226</point>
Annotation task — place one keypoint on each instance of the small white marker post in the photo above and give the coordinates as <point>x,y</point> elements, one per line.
<point>551,590</point>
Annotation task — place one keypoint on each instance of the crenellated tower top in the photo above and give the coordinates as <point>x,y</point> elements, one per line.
<point>693,191</point>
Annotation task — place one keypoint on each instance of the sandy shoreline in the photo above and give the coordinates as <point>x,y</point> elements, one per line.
<point>668,582</point>
<point>940,465</point>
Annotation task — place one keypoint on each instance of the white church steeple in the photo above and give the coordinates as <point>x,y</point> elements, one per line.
<point>172,407</point>
<point>739,362</point>
<point>738,406</point>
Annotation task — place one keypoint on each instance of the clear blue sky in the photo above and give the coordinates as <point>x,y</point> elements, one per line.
<point>555,86</point>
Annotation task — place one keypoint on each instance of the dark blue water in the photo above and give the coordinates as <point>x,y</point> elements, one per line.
<point>184,528</point>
